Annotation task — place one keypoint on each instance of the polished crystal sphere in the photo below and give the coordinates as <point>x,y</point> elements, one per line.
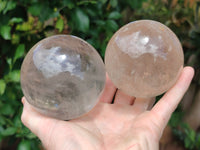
<point>144,58</point>
<point>62,77</point>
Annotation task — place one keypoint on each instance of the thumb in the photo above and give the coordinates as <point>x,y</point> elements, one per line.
<point>162,111</point>
<point>40,125</point>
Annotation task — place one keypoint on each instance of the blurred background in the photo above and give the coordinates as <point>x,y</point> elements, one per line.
<point>25,22</point>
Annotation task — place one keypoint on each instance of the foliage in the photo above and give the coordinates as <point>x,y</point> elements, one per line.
<point>25,22</point>
<point>189,138</point>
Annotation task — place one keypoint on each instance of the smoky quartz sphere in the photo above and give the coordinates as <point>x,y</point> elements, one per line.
<point>62,77</point>
<point>144,58</point>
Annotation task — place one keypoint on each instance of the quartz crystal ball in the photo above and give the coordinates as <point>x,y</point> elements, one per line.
<point>144,58</point>
<point>62,77</point>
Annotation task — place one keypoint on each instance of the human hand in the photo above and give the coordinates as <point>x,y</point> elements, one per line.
<point>127,124</point>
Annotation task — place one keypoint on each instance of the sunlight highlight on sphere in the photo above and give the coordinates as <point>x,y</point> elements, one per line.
<point>62,76</point>
<point>144,58</point>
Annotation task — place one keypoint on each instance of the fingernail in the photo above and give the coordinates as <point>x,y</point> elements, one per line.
<point>23,101</point>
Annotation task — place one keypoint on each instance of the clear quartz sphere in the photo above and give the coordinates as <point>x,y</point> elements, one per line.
<point>144,58</point>
<point>62,76</point>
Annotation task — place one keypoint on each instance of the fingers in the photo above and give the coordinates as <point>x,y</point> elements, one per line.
<point>143,104</point>
<point>108,92</point>
<point>40,125</point>
<point>121,98</point>
<point>168,103</point>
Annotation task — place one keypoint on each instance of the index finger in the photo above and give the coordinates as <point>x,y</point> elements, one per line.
<point>108,92</point>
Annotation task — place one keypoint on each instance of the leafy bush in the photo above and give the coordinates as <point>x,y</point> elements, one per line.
<point>25,22</point>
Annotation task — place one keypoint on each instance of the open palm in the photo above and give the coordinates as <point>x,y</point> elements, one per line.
<point>127,124</point>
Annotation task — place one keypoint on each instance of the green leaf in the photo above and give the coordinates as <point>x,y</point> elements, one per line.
<point>19,52</point>
<point>1,129</point>
<point>35,9</point>
<point>26,26</point>
<point>31,135</point>
<point>15,20</point>
<point>113,3</point>
<point>187,142</point>
<point>5,32</point>
<point>48,13</point>
<point>114,15</point>
<point>192,135</point>
<point>100,22</point>
<point>7,109</point>
<point>135,4</point>
<point>9,131</point>
<point>17,120</point>
<point>15,39</point>
<point>112,25</point>
<point>175,119</point>
<point>10,5</point>
<point>60,24</point>
<point>103,1</point>
<point>13,76</point>
<point>9,62</point>
<point>68,3</point>
<point>2,121</point>
<point>2,5</point>
<point>24,145</point>
<point>86,2</point>
<point>198,140</point>
<point>2,86</point>
<point>82,20</point>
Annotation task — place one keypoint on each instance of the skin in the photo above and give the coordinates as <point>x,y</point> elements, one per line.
<point>127,124</point>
